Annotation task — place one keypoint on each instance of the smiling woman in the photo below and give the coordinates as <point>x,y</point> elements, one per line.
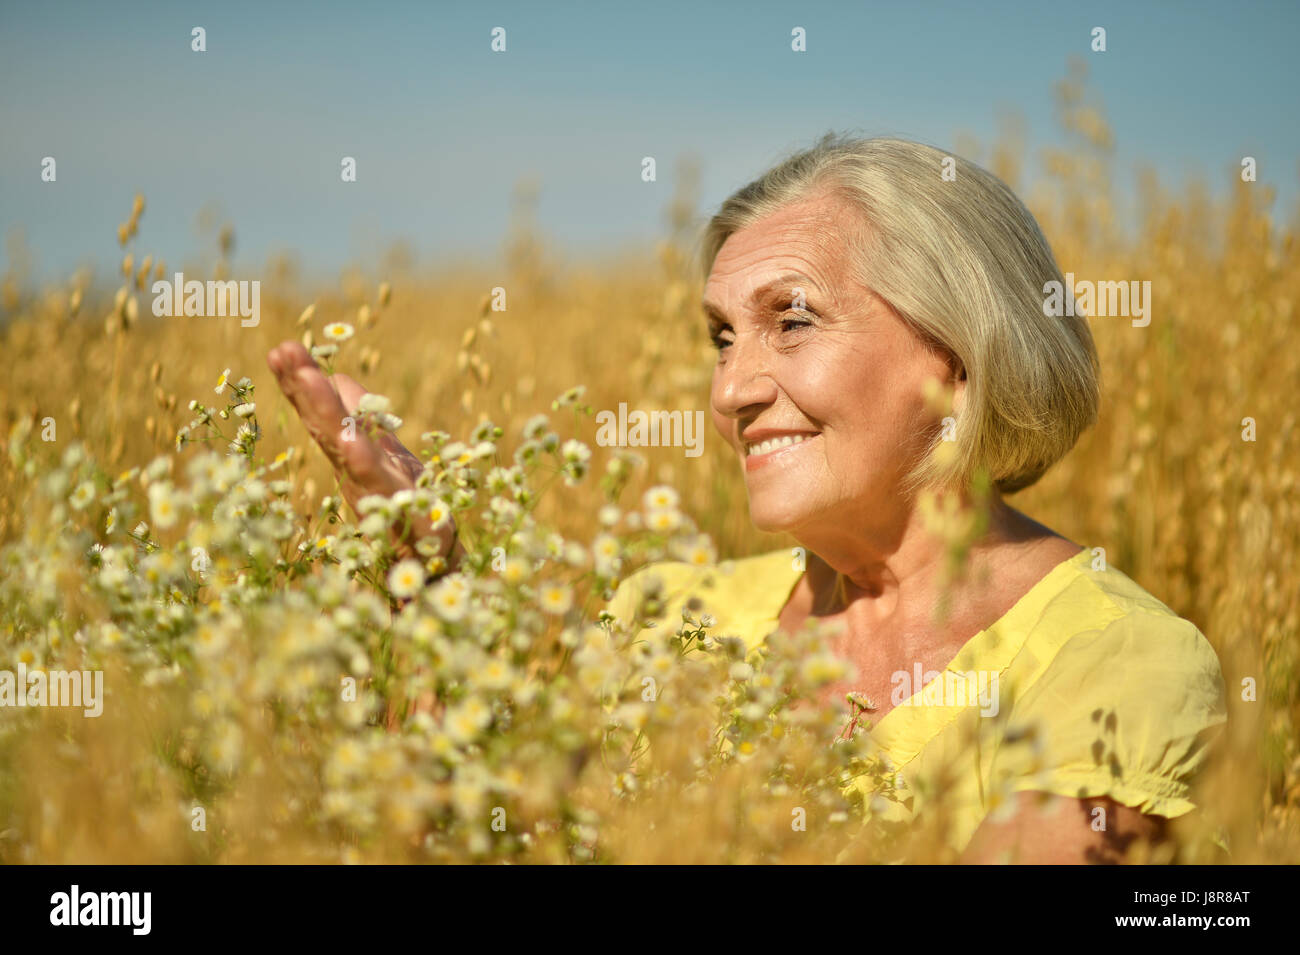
<point>884,356</point>
<point>846,288</point>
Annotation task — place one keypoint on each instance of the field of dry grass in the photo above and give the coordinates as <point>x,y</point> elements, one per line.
<point>250,732</point>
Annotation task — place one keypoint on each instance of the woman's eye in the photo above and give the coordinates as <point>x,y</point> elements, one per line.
<point>792,320</point>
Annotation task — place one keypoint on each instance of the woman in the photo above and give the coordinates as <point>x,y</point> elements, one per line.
<point>846,286</point>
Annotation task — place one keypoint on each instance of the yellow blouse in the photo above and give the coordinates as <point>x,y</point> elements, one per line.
<point>1101,690</point>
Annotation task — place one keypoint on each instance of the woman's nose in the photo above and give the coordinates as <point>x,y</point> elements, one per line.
<point>743,379</point>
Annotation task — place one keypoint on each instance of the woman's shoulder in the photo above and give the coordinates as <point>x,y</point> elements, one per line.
<point>1122,693</point>
<point>740,594</point>
<point>1089,638</point>
<point>1105,643</point>
<point>1094,596</point>
<point>1101,625</point>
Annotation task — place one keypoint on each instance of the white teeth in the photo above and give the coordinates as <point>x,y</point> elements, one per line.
<point>771,444</point>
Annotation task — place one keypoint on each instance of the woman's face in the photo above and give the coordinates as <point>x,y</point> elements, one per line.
<point>837,388</point>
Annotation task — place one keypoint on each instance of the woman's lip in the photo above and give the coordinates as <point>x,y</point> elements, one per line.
<point>754,461</point>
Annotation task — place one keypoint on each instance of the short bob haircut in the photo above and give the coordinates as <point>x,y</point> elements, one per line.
<point>964,263</point>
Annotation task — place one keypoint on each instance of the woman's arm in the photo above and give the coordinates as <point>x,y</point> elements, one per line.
<point>1057,830</point>
<point>363,465</point>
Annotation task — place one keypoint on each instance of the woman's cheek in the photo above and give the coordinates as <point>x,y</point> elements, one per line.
<point>724,425</point>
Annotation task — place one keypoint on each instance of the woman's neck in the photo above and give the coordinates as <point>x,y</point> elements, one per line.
<point>894,568</point>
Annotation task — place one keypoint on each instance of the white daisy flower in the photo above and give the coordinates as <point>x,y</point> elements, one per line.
<point>83,495</point>
<point>406,578</point>
<point>662,520</point>
<point>158,468</point>
<point>372,403</point>
<point>338,331</point>
<point>439,514</point>
<point>535,427</point>
<point>210,640</point>
<point>575,452</point>
<point>467,719</point>
<point>372,502</point>
<point>163,505</point>
<point>456,453</point>
<point>450,599</point>
<point>605,547</point>
<point>221,383</point>
<point>570,397</point>
<point>660,498</point>
<point>494,675</point>
<point>246,409</point>
<point>699,551</point>
<point>515,571</point>
<point>555,598</point>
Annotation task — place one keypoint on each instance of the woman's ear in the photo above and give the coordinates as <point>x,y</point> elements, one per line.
<point>957,379</point>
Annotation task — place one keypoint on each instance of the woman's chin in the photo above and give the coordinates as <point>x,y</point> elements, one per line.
<point>774,519</point>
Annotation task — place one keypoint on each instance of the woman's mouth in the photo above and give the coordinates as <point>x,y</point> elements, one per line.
<point>759,453</point>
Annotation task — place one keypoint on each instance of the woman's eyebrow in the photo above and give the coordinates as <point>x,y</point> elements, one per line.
<point>764,292</point>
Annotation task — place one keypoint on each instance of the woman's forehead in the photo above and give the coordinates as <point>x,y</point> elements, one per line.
<point>778,271</point>
<point>808,218</point>
<point>812,237</point>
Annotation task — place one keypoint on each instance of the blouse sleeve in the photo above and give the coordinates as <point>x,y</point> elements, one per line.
<point>662,582</point>
<point>626,596</point>
<point>1127,711</point>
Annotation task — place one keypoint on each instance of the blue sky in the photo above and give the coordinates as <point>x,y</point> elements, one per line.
<point>443,129</point>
